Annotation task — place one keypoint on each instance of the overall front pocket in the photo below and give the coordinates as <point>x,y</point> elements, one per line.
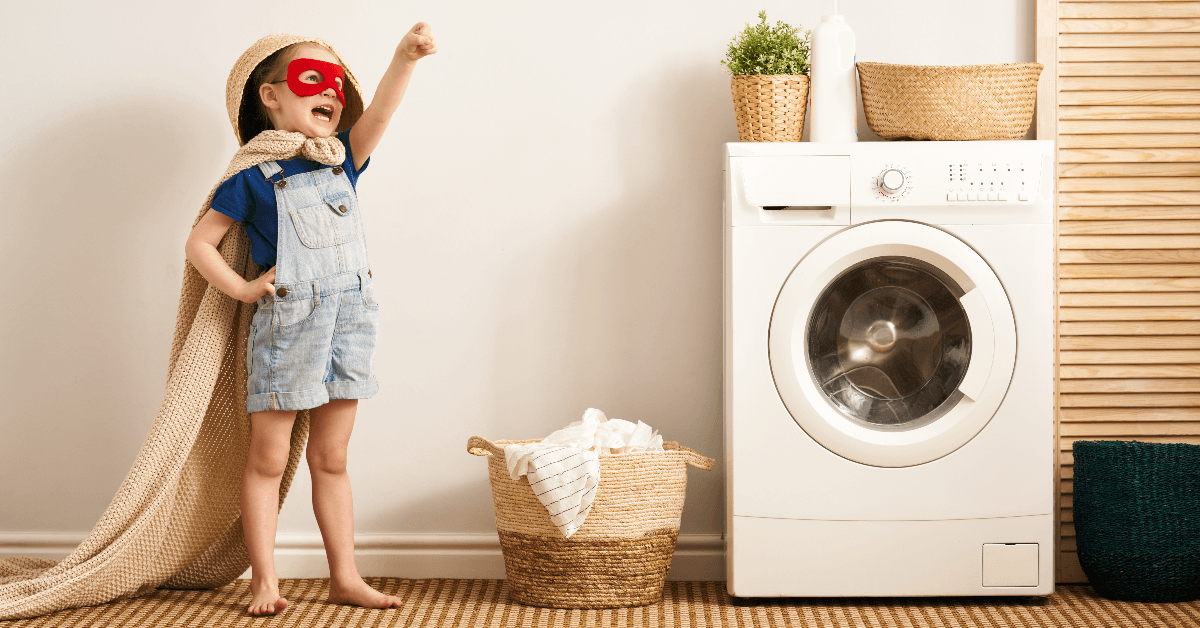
<point>289,313</point>
<point>326,224</point>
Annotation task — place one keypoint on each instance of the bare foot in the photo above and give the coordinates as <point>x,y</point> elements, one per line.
<point>265,599</point>
<point>361,594</point>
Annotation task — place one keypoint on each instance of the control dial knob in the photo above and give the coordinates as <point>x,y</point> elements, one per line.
<point>892,181</point>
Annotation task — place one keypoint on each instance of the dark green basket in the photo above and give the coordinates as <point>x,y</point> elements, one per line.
<point>1137,519</point>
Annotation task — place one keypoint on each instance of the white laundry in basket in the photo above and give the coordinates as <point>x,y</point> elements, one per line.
<point>564,468</point>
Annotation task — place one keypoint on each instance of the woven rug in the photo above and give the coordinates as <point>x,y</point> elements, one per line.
<point>484,603</point>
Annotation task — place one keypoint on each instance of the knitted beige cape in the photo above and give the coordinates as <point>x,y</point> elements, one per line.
<point>175,521</point>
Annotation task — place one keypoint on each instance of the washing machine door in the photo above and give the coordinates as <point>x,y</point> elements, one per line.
<point>892,343</point>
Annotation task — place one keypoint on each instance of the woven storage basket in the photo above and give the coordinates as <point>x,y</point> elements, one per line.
<point>1136,508</point>
<point>944,102</point>
<point>621,554</point>
<point>770,107</point>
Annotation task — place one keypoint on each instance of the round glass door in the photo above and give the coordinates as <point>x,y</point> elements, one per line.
<point>889,343</point>
<point>892,343</point>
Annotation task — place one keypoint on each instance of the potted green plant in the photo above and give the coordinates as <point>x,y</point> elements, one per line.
<point>769,65</point>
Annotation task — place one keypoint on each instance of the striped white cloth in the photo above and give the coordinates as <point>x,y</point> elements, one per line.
<point>564,478</point>
<point>564,467</point>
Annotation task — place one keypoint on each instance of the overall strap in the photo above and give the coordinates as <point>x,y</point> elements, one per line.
<point>269,168</point>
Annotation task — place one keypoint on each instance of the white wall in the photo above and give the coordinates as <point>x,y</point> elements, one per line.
<point>543,218</point>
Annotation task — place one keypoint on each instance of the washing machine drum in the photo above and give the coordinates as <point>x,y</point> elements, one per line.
<point>892,343</point>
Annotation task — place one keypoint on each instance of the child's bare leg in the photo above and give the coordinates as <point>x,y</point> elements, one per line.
<point>270,443</point>
<point>334,507</point>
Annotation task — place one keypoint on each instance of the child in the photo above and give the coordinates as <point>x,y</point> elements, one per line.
<point>312,339</point>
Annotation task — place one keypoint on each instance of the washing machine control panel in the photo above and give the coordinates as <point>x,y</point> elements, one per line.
<point>991,181</point>
<point>945,181</point>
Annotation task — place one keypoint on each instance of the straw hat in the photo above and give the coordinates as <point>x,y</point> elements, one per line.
<point>235,87</point>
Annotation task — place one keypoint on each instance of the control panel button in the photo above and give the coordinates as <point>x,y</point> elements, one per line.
<point>1023,196</point>
<point>950,196</point>
<point>1003,196</point>
<point>962,196</point>
<point>970,196</point>
<point>991,196</point>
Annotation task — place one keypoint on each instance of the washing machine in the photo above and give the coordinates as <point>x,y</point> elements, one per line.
<point>888,369</point>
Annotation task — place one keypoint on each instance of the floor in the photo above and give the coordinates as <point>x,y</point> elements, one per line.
<point>483,603</point>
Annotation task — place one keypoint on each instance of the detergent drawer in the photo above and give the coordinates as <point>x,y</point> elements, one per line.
<point>795,189</point>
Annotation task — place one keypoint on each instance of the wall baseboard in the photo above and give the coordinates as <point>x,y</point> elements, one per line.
<point>697,556</point>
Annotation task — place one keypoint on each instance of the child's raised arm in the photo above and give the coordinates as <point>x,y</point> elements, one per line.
<point>367,132</point>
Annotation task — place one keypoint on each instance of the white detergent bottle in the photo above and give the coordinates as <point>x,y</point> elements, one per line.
<point>833,90</point>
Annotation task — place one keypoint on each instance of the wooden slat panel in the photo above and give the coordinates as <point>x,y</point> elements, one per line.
<point>1131,140</point>
<point>1127,343</point>
<point>1127,155</point>
<point>1129,68</point>
<point>1128,9</point>
<point>1094,415</point>
<point>1130,112</point>
<point>1129,242</point>
<point>1158,97</point>
<point>1168,25</point>
<point>1129,314</point>
<point>1045,52</point>
<point>1189,169</point>
<point>1127,40</point>
<point>1129,54</point>
<point>1128,371</point>
<point>1134,400</point>
<point>1157,428</point>
<point>1129,184</point>
<point>1122,227</point>
<point>1127,198</point>
<point>1115,127</point>
<point>1113,386</point>
<point>1124,83</point>
<point>1068,568</point>
<point>1146,256</point>
<point>1128,285</point>
<point>1130,328</point>
<point>1129,299</point>
<point>1125,102</point>
<point>1130,212</point>
<point>1182,356</point>
<point>1098,271</point>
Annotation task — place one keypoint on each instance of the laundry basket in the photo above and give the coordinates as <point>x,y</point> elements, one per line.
<point>949,102</point>
<point>1136,510</point>
<point>619,557</point>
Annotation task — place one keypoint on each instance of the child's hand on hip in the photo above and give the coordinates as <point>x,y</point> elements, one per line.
<point>254,290</point>
<point>417,43</point>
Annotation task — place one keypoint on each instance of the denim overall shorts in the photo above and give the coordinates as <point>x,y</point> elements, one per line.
<point>314,339</point>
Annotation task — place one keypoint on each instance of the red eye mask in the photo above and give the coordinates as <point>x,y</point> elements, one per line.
<point>331,71</point>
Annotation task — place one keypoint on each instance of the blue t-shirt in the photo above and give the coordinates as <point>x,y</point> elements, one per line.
<point>248,198</point>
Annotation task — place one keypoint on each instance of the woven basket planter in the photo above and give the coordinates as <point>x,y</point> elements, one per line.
<point>770,107</point>
<point>944,102</point>
<point>1136,508</point>
<point>621,554</point>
